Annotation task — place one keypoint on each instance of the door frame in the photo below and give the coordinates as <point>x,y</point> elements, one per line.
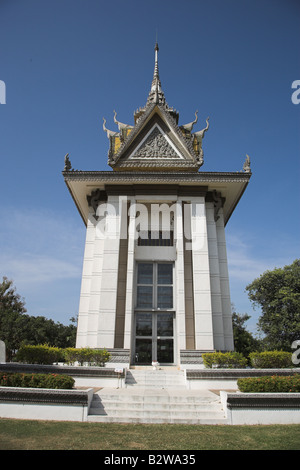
<point>154,337</point>
<point>154,309</point>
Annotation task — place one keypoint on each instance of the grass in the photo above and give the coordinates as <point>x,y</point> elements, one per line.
<point>52,435</point>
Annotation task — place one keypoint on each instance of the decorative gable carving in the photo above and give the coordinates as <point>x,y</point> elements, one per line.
<point>156,144</point>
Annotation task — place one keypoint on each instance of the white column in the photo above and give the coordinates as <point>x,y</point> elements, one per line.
<point>224,282</point>
<point>87,270</point>
<point>201,276</point>
<point>109,278</point>
<point>216,296</point>
<point>129,308</point>
<point>179,279</point>
<point>95,288</point>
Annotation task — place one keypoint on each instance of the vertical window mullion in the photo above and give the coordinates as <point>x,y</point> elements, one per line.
<point>155,285</point>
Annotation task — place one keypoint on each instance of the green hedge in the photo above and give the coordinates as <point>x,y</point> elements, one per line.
<point>273,384</point>
<point>228,360</point>
<point>43,354</point>
<point>58,381</point>
<point>97,357</point>
<point>271,360</point>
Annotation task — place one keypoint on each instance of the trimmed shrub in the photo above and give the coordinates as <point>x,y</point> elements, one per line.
<point>228,360</point>
<point>52,381</point>
<point>100,356</point>
<point>271,360</point>
<point>70,355</point>
<point>96,357</point>
<point>43,354</point>
<point>40,354</point>
<point>273,384</point>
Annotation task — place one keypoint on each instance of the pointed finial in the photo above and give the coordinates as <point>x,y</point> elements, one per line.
<point>156,95</point>
<point>156,85</point>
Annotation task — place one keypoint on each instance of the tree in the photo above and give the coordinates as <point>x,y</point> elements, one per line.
<point>244,342</point>
<point>10,301</point>
<point>12,309</point>
<point>17,328</point>
<point>277,293</point>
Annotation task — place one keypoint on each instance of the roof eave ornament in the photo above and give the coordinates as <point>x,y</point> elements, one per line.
<point>246,166</point>
<point>189,127</point>
<point>109,133</point>
<point>121,125</point>
<point>199,136</point>
<point>68,165</point>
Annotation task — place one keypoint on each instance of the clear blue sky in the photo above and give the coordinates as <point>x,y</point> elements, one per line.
<point>66,64</point>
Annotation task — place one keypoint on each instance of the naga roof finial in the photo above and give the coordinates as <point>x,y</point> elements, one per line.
<point>109,133</point>
<point>246,166</point>
<point>189,127</point>
<point>121,125</point>
<point>68,166</point>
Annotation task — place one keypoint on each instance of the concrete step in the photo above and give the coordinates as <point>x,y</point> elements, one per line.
<point>144,406</point>
<point>155,379</point>
<point>156,420</point>
<point>165,415</point>
<point>156,385</point>
<point>145,398</point>
<point>188,409</point>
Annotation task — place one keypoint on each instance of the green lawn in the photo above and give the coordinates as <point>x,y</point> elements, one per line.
<point>51,435</point>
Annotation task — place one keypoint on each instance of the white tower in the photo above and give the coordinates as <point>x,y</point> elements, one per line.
<point>155,283</point>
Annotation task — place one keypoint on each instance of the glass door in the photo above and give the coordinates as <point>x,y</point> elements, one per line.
<point>143,338</point>
<point>164,337</point>
<point>154,314</point>
<point>154,338</point>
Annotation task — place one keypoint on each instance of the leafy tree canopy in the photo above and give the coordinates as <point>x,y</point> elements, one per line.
<point>17,328</point>
<point>277,293</point>
<point>244,342</point>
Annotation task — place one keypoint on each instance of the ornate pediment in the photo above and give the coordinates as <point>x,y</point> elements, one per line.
<point>156,142</point>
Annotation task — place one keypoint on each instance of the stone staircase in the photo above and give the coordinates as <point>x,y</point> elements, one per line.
<point>158,396</point>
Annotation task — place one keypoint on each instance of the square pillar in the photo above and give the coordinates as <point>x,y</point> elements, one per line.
<point>201,276</point>
<point>179,275</point>
<point>87,323</point>
<point>216,294</point>
<point>224,284</point>
<point>129,306</point>
<point>109,280</point>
